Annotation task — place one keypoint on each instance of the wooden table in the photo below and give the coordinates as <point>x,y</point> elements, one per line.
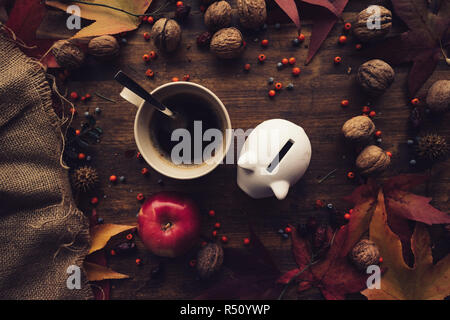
<point>314,104</point>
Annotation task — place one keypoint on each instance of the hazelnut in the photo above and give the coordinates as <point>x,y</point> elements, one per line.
<point>252,13</point>
<point>209,260</point>
<point>166,34</point>
<point>359,128</point>
<point>218,15</point>
<point>438,97</point>
<point>375,76</point>
<point>227,43</point>
<point>372,159</point>
<point>103,47</point>
<point>365,253</point>
<point>365,20</point>
<point>67,54</point>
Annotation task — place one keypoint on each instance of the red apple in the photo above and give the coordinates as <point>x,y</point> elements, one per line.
<point>169,224</point>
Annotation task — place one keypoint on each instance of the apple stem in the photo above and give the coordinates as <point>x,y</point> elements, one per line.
<point>166,226</point>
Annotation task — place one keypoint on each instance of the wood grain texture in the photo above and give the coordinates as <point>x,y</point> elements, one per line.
<point>314,104</point>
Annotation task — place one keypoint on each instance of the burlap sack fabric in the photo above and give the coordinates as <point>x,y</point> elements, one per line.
<point>42,233</point>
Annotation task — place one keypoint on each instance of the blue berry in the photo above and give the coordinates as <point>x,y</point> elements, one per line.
<point>379,140</point>
<point>277,26</point>
<point>86,114</point>
<point>100,220</point>
<point>285,236</point>
<point>88,158</point>
<point>410,142</point>
<point>264,26</point>
<point>280,231</point>
<point>330,206</point>
<point>290,86</point>
<point>295,42</point>
<point>98,110</point>
<point>412,162</point>
<point>279,65</point>
<point>124,41</point>
<point>270,80</point>
<point>122,179</point>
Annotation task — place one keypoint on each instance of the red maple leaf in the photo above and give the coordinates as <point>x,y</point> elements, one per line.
<point>325,14</point>
<point>333,274</point>
<point>421,45</point>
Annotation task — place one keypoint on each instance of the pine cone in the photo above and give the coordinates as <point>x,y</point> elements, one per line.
<point>85,178</point>
<point>432,147</point>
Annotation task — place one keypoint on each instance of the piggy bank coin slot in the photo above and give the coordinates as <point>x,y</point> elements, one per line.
<point>284,150</point>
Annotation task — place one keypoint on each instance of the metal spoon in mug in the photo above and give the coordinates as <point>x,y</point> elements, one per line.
<point>178,120</point>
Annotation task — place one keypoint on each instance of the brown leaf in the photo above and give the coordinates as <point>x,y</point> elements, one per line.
<point>107,21</point>
<point>95,272</point>
<point>100,234</point>
<point>423,281</point>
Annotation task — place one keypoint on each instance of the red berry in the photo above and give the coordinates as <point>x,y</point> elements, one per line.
<point>203,244</point>
<point>347,216</point>
<point>337,60</point>
<point>138,261</point>
<point>347,26</point>
<point>88,96</point>
<point>73,111</point>
<point>77,132</point>
<point>350,211</point>
<point>285,61</point>
<point>378,133</point>
<point>81,156</point>
<point>380,260</point>
<point>74,95</point>
<point>94,200</point>
<point>272,93</point>
<point>262,57</point>
<point>372,114</point>
<point>265,43</point>
<point>112,252</point>
<point>288,229</point>
<point>186,77</point>
<point>415,101</point>
<point>344,103</point>
<point>144,171</point>
<point>246,241</point>
<point>301,37</point>
<point>140,197</point>
<point>175,79</point>
<point>212,213</point>
<point>224,239</point>
<point>351,175</point>
<point>319,204</point>
<point>192,263</point>
<point>247,67</point>
<point>146,36</point>
<point>358,46</point>
<point>129,236</point>
<point>214,233</point>
<point>153,55</point>
<point>150,20</point>
<point>217,225</point>
<point>146,57</point>
<point>138,156</point>
<point>389,154</point>
<point>179,4</point>
<point>292,60</point>
<point>342,39</point>
<point>278,86</point>
<point>149,73</point>
<point>296,71</point>
<point>113,178</point>
<point>365,109</point>
<point>83,98</point>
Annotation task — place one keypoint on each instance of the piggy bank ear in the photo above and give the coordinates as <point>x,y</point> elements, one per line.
<point>247,161</point>
<point>280,189</point>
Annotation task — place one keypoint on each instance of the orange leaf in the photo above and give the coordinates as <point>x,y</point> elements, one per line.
<point>101,234</point>
<point>107,20</point>
<point>401,282</point>
<point>95,272</point>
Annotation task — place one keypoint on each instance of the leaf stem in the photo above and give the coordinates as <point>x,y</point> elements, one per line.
<point>312,262</point>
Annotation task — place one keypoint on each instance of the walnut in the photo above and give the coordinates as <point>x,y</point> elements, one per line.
<point>359,128</point>
<point>438,97</point>
<point>103,47</point>
<point>227,43</point>
<point>209,260</point>
<point>252,13</point>
<point>67,54</point>
<point>375,76</point>
<point>166,34</point>
<point>218,15</point>
<point>365,253</point>
<point>372,159</point>
<point>367,18</point>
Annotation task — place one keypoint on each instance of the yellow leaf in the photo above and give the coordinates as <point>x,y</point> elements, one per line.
<point>400,282</point>
<point>95,272</point>
<point>101,234</point>
<point>107,20</point>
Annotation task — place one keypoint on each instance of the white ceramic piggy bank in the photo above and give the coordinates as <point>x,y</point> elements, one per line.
<point>274,157</point>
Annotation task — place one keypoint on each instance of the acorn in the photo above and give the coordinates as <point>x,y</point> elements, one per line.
<point>432,147</point>
<point>364,254</point>
<point>209,260</point>
<point>85,178</point>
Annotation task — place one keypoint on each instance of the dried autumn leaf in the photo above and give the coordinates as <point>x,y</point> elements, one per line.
<point>423,281</point>
<point>107,20</point>
<point>95,272</point>
<point>100,234</point>
<point>421,45</point>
